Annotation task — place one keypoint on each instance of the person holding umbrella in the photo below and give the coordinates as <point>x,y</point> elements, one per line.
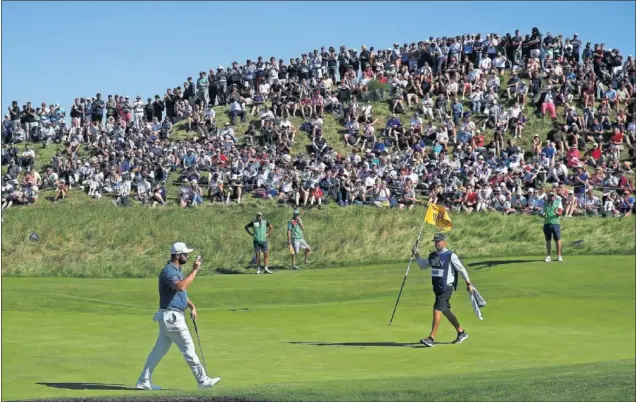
<point>173,301</point>
<point>445,266</point>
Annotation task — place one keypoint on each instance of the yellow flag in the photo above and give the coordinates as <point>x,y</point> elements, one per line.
<point>437,215</point>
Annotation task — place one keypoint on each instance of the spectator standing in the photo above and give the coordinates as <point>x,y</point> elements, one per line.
<point>552,210</point>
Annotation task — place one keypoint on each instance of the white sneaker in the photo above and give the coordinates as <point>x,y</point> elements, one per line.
<point>548,259</point>
<point>267,271</point>
<point>560,259</point>
<point>147,386</point>
<point>258,272</point>
<point>209,382</point>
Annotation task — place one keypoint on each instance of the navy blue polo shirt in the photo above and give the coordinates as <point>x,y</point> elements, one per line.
<point>169,297</point>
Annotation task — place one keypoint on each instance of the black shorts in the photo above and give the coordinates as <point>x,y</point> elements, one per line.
<point>260,246</point>
<point>552,231</point>
<point>442,300</point>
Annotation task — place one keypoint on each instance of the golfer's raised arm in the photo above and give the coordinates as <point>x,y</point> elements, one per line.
<point>187,281</point>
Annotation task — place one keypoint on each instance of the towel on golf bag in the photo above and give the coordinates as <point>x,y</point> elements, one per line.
<point>477,302</point>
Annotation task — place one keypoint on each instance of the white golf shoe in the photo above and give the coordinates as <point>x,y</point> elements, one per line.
<point>548,259</point>
<point>560,259</point>
<point>209,382</point>
<point>147,386</point>
<point>267,271</point>
<point>258,272</point>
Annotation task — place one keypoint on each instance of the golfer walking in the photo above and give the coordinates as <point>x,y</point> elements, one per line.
<point>260,230</point>
<point>173,301</point>
<point>295,237</point>
<point>444,268</point>
<point>552,211</point>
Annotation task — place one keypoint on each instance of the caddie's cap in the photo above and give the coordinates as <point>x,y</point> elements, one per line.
<point>180,248</point>
<point>259,214</point>
<point>296,212</point>
<point>439,237</point>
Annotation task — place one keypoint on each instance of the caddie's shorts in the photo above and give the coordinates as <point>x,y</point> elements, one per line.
<point>260,246</point>
<point>300,244</point>
<point>442,300</point>
<point>552,231</point>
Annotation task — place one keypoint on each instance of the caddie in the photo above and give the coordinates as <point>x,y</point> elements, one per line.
<point>445,265</point>
<point>295,237</point>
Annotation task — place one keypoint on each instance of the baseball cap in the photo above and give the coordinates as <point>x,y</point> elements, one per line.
<point>180,248</point>
<point>296,212</point>
<point>259,214</point>
<point>439,237</point>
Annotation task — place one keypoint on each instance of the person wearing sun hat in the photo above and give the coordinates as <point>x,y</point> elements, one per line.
<point>445,270</point>
<point>295,237</point>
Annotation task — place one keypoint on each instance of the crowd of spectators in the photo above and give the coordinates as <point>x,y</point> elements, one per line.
<point>459,105</point>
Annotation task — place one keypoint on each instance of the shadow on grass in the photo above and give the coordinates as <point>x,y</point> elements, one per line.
<point>249,270</point>
<point>413,345</point>
<point>228,271</point>
<point>88,385</point>
<point>494,263</point>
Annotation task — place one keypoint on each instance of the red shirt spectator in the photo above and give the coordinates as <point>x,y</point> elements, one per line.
<point>617,137</point>
<point>573,156</point>
<point>479,139</point>
<point>471,197</point>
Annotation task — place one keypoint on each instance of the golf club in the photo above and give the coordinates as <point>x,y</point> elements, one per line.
<point>196,331</point>
<point>417,242</point>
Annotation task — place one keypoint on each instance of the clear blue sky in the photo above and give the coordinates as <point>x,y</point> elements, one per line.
<point>56,51</point>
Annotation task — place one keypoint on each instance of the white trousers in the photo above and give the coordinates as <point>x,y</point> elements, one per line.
<point>173,328</point>
<point>139,119</point>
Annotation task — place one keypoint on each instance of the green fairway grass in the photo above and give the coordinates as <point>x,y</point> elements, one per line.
<point>559,331</point>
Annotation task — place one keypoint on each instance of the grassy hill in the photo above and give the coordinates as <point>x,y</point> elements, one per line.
<point>112,242</point>
<point>88,238</point>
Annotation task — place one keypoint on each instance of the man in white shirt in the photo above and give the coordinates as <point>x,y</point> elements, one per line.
<point>445,269</point>
<point>123,191</point>
<point>592,203</point>
<point>236,109</point>
<point>210,114</point>
<point>138,112</point>
<point>46,133</point>
<point>427,107</point>
<point>485,64</point>
<point>499,62</point>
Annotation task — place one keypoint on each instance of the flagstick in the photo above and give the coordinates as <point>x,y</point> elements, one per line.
<point>417,242</point>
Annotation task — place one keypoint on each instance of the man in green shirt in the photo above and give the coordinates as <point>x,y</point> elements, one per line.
<point>552,211</point>
<point>202,89</point>
<point>295,238</point>
<point>261,229</point>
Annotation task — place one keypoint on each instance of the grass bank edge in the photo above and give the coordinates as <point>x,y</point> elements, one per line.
<point>102,241</point>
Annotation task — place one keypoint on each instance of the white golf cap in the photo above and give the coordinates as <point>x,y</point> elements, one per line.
<point>180,248</point>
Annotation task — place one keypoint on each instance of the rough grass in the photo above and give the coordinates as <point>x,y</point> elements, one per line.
<point>95,239</point>
<point>550,332</point>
